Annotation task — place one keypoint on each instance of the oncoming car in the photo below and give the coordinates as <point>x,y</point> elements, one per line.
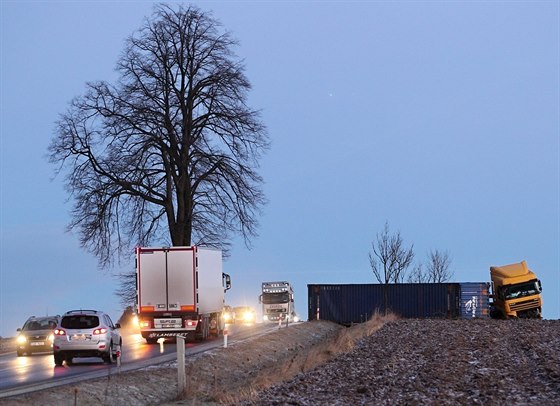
<point>227,314</point>
<point>36,335</point>
<point>244,315</point>
<point>86,333</point>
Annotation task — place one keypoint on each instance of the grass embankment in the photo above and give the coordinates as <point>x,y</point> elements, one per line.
<point>287,361</point>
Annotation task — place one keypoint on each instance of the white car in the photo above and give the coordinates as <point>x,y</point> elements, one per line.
<point>86,333</point>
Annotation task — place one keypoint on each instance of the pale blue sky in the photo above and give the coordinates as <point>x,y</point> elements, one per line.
<point>441,118</point>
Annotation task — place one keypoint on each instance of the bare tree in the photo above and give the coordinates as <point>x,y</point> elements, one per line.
<point>169,153</point>
<point>438,267</point>
<point>390,259</point>
<point>417,275</point>
<point>127,289</point>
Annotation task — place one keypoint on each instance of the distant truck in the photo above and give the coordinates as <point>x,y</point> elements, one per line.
<point>277,299</point>
<point>516,292</point>
<point>180,291</point>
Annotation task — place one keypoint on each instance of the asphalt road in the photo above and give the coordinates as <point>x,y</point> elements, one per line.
<point>30,373</point>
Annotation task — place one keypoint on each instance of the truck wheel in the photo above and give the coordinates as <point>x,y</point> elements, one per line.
<point>151,340</point>
<point>69,360</point>
<point>206,328</point>
<point>58,359</point>
<point>20,353</point>
<point>213,327</point>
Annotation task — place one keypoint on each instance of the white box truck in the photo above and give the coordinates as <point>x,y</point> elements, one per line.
<point>180,291</point>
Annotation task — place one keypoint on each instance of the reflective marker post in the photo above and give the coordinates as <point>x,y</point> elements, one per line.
<point>119,356</point>
<point>225,336</point>
<point>181,377</point>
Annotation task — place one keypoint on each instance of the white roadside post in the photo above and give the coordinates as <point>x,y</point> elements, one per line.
<point>181,377</point>
<point>119,357</point>
<point>225,336</point>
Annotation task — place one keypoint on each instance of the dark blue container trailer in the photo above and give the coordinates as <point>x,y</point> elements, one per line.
<point>474,299</point>
<point>355,303</point>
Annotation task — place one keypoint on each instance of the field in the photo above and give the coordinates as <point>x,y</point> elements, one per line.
<point>384,361</point>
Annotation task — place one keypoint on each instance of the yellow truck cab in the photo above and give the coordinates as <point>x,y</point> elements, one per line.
<point>516,292</point>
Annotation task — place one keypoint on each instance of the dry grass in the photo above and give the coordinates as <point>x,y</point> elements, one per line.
<point>307,357</point>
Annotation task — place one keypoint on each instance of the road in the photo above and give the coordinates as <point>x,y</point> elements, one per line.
<point>20,375</point>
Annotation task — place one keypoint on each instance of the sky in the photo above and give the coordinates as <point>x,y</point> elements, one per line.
<point>440,118</point>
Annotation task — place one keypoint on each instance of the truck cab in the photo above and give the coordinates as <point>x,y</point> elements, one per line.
<point>516,292</point>
<point>277,299</point>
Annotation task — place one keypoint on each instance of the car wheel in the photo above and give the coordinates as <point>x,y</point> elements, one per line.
<point>58,359</point>
<point>20,353</point>
<point>69,360</point>
<point>108,358</point>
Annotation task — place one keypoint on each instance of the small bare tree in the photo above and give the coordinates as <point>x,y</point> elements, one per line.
<point>417,275</point>
<point>438,267</point>
<point>389,259</point>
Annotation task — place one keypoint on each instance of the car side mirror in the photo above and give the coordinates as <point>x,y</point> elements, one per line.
<point>118,325</point>
<point>19,329</point>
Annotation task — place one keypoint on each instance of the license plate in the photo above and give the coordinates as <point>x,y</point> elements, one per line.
<point>78,337</point>
<point>37,343</point>
<point>167,323</point>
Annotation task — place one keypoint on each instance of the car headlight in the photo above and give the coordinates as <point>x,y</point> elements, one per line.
<point>248,316</point>
<point>51,337</point>
<point>296,319</point>
<point>227,316</point>
<point>265,317</point>
<point>21,339</point>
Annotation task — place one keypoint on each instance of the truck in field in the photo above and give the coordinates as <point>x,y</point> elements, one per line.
<point>277,299</point>
<point>516,292</point>
<point>180,291</point>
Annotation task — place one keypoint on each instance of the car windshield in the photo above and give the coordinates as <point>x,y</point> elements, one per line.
<point>40,324</point>
<point>80,322</point>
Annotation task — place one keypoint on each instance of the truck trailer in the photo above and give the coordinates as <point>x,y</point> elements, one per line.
<point>277,299</point>
<point>516,292</point>
<point>349,304</point>
<point>180,291</point>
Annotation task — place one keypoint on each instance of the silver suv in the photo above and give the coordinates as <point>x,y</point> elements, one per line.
<point>86,333</point>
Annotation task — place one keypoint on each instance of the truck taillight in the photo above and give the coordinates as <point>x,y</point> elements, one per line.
<point>98,331</point>
<point>191,323</point>
<point>59,332</point>
<point>145,324</point>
